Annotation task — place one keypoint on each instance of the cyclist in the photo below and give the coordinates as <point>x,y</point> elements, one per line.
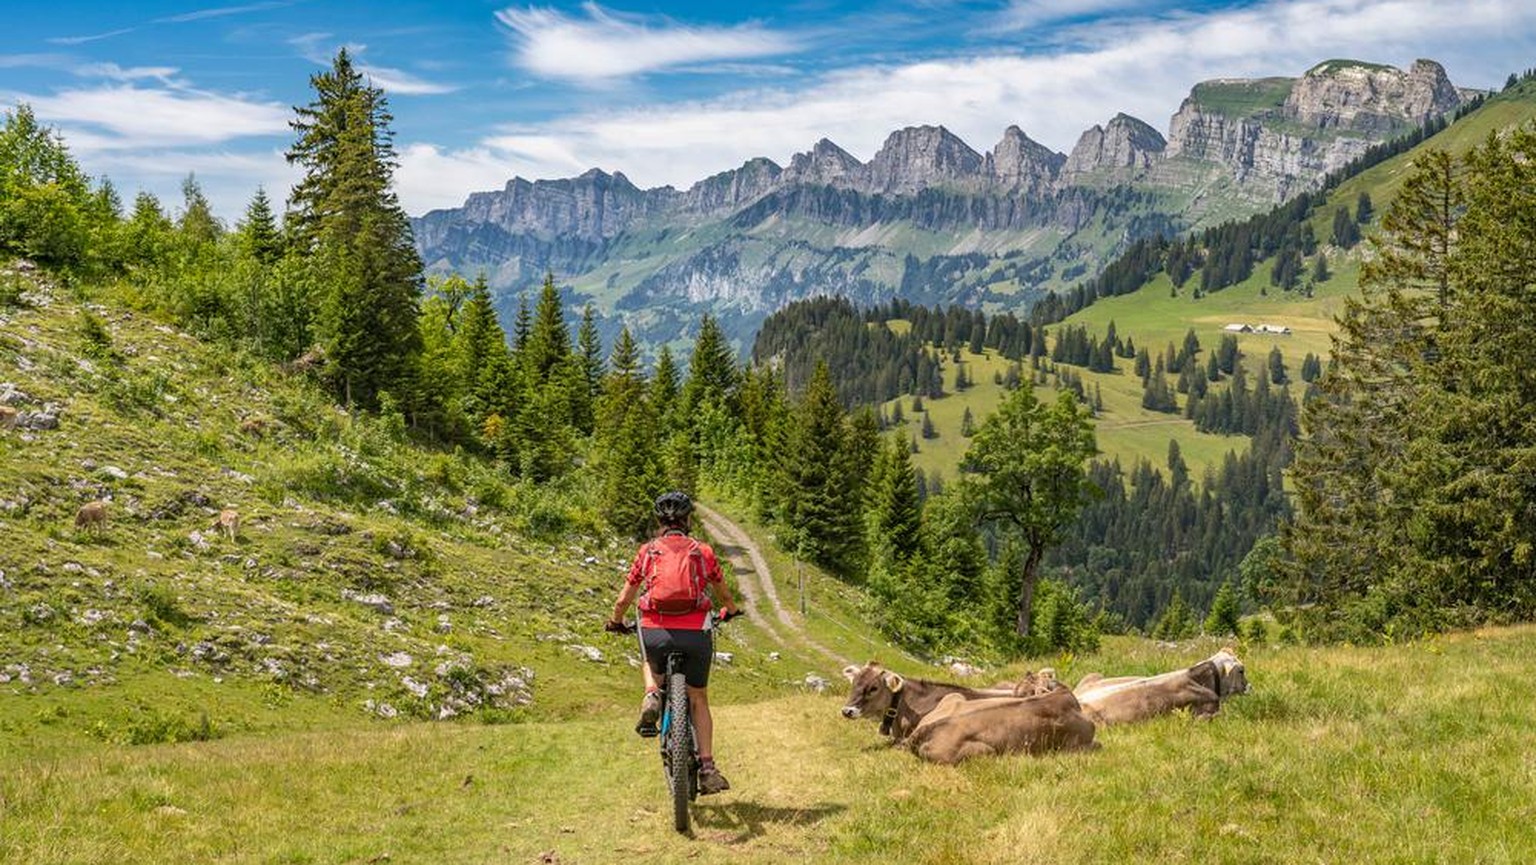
<point>685,633</point>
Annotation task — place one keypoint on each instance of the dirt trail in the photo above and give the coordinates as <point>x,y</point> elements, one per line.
<point>756,581</point>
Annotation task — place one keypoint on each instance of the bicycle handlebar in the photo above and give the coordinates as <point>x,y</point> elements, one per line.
<point>613,627</point>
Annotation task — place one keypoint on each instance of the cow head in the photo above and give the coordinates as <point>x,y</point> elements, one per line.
<point>1035,684</point>
<point>874,690</point>
<point>1231,678</point>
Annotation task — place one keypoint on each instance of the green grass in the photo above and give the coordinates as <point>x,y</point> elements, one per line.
<point>1242,98</point>
<point>1415,752</point>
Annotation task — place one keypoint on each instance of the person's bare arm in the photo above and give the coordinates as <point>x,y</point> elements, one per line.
<point>626,597</point>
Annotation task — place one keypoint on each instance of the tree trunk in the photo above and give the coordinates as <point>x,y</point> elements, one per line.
<point>1027,588</point>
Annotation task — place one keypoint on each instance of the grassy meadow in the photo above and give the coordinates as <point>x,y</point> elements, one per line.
<point>1418,752</point>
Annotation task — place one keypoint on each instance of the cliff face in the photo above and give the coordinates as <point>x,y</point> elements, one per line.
<point>918,157</point>
<point>1022,164</point>
<point>1371,99</point>
<point>1124,143</point>
<point>1276,136</point>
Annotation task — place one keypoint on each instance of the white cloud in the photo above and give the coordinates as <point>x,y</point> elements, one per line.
<point>1144,67</point>
<point>606,46</point>
<point>130,117</point>
<point>81,40</point>
<point>1022,14</point>
<point>404,83</point>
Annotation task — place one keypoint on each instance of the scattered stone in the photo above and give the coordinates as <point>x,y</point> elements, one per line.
<point>417,689</point>
<point>816,683</point>
<point>199,542</point>
<point>962,669</point>
<point>11,395</point>
<point>443,624</point>
<point>392,625</point>
<point>372,600</point>
<point>5,584</point>
<point>773,656</point>
<point>397,659</point>
<point>114,472</point>
<point>72,568</point>
<point>93,617</point>
<point>724,658</point>
<point>589,653</point>
<point>590,560</point>
<point>483,601</point>
<point>383,710</point>
<point>170,811</point>
<point>386,506</point>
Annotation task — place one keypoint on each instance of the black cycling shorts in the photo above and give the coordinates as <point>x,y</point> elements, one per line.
<point>697,648</point>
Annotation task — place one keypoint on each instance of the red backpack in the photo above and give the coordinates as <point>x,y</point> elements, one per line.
<point>673,576</point>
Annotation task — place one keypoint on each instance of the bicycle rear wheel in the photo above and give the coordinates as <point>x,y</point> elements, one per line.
<point>679,750</point>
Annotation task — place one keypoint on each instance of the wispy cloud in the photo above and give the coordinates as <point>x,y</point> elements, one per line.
<point>404,83</point>
<point>118,73</point>
<point>1022,14</point>
<point>129,117</point>
<point>318,48</point>
<point>81,40</point>
<point>604,45</point>
<point>220,12</point>
<point>1142,66</point>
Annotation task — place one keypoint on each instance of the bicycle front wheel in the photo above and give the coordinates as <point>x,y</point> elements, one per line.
<point>679,750</point>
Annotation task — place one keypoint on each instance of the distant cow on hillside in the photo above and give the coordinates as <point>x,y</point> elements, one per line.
<point>92,515</point>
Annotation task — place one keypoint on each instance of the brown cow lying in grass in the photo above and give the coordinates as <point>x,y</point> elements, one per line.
<point>900,703</point>
<point>1045,717</point>
<point>1127,699</point>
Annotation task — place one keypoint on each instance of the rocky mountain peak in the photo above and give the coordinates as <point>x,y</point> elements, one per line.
<point>735,188</point>
<point>1370,97</point>
<point>1021,162</point>
<point>824,164</point>
<point>1125,142</point>
<point>920,156</point>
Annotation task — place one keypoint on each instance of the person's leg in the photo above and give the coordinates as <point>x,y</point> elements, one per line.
<point>703,722</point>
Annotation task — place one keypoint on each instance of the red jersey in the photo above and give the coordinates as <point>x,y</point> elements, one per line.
<point>691,621</point>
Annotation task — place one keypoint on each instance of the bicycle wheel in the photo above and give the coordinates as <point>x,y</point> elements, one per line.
<point>679,749</point>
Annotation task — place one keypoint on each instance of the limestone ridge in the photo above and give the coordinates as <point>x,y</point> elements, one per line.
<point>1020,216</point>
<point>1125,142</point>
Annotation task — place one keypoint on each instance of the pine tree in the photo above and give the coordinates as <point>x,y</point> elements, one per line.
<point>929,432</point>
<point>353,238</point>
<point>1320,271</point>
<point>712,373</point>
<point>44,197</point>
<point>664,383</point>
<point>819,517</point>
<point>589,350</point>
<point>1226,613</point>
<point>967,423</point>
<point>627,447</point>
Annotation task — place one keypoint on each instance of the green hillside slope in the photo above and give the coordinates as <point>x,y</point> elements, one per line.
<point>369,576</point>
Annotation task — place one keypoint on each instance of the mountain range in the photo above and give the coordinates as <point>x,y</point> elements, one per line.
<point>928,218</point>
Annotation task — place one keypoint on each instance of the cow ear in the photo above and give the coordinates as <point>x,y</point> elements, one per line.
<point>894,682</point>
<point>850,671</point>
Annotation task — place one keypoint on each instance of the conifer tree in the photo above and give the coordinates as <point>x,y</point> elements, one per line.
<point>664,384</point>
<point>589,349</point>
<point>897,508</point>
<point>1226,613</point>
<point>258,231</point>
<point>352,236</point>
<point>819,516</point>
<point>626,446</point>
<point>712,373</point>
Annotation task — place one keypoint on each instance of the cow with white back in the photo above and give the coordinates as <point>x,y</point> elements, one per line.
<point>1200,688</point>
<point>1045,718</point>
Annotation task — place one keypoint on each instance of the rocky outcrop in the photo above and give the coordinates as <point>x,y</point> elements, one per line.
<point>1368,98</point>
<point>1124,143</point>
<point>919,157</point>
<point>733,189</point>
<point>826,164</point>
<point>594,205</point>
<point>1021,163</point>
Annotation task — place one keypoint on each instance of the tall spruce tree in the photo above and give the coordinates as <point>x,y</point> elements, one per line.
<point>589,350</point>
<point>818,512</point>
<point>627,449</point>
<point>354,240</point>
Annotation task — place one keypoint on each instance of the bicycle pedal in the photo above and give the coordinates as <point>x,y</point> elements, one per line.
<point>648,731</point>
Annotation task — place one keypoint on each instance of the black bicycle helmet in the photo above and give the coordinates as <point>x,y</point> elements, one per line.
<point>672,509</point>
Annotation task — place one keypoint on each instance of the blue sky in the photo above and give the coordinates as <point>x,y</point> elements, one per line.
<point>667,91</point>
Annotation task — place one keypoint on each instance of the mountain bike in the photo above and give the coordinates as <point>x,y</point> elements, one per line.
<point>679,749</point>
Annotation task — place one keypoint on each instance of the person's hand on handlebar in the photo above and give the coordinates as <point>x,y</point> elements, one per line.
<point>728,613</point>
<point>617,626</point>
